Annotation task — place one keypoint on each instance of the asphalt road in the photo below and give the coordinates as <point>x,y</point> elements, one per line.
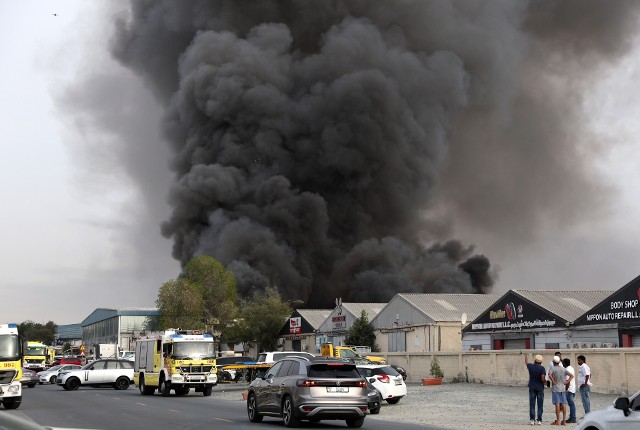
<point>108,409</point>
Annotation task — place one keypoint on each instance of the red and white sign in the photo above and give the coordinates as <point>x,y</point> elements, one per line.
<point>295,325</point>
<point>339,321</point>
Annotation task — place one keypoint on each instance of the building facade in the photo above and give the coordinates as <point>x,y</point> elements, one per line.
<point>427,322</point>
<point>118,326</point>
<point>533,319</point>
<point>300,332</point>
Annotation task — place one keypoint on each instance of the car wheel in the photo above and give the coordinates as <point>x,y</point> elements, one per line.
<point>225,376</point>
<point>355,423</point>
<point>206,391</point>
<point>252,409</point>
<point>122,383</point>
<point>393,401</point>
<point>72,384</point>
<point>52,379</point>
<point>288,418</point>
<point>12,402</point>
<point>164,388</point>
<point>31,384</point>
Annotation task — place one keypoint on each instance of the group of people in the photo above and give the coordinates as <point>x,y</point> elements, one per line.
<point>560,376</point>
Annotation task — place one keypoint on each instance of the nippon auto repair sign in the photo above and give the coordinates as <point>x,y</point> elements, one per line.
<point>295,325</point>
<point>623,306</point>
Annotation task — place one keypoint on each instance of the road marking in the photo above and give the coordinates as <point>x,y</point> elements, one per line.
<point>141,404</point>
<point>173,410</point>
<point>222,419</point>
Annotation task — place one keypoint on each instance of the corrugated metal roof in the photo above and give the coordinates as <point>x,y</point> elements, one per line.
<point>102,314</point>
<point>372,309</point>
<point>450,307</point>
<point>568,305</point>
<point>69,331</point>
<point>315,317</point>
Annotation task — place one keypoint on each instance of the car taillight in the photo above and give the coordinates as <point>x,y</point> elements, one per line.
<point>384,378</point>
<point>306,383</point>
<point>361,384</point>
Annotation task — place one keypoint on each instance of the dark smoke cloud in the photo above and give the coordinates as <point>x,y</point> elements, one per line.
<point>330,147</point>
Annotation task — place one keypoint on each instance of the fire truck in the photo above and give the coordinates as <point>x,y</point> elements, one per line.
<point>35,357</point>
<point>176,360</point>
<point>11,350</point>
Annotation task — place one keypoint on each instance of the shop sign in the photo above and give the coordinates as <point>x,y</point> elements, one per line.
<point>295,325</point>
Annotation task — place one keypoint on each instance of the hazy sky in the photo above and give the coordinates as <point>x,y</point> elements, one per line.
<point>78,233</point>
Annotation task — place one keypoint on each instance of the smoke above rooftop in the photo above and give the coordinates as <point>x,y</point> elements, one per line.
<point>331,148</point>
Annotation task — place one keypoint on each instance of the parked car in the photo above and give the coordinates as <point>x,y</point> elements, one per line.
<point>624,414</point>
<point>310,389</point>
<point>51,373</point>
<point>72,359</point>
<point>29,377</point>
<point>400,370</point>
<point>127,355</point>
<point>273,356</point>
<point>386,380</point>
<point>374,399</point>
<point>104,372</point>
<point>228,375</point>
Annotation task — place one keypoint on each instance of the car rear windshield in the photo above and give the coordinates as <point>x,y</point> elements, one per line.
<point>233,360</point>
<point>333,371</point>
<point>388,370</point>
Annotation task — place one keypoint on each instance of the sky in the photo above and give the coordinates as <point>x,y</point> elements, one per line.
<point>80,220</point>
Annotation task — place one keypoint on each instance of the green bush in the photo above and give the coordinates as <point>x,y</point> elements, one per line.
<point>435,368</point>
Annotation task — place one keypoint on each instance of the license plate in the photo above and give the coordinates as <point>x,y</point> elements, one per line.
<point>398,382</point>
<point>337,389</point>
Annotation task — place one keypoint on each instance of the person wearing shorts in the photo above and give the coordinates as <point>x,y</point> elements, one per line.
<point>557,377</point>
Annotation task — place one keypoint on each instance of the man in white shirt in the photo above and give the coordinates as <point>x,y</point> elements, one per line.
<point>584,381</point>
<point>570,383</point>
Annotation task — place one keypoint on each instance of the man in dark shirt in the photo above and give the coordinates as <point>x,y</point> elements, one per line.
<point>537,379</point>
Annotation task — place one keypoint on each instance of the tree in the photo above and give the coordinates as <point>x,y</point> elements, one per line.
<point>261,318</point>
<point>361,333</point>
<point>180,305</point>
<point>204,295</point>
<point>217,286</point>
<point>45,333</point>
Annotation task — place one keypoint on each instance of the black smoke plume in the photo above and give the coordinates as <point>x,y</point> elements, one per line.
<point>326,147</point>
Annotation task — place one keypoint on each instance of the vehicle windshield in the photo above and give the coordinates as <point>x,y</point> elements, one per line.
<point>9,348</point>
<point>53,368</point>
<point>347,353</point>
<point>35,350</point>
<point>193,350</point>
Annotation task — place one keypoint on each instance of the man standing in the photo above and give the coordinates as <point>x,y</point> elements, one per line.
<point>584,381</point>
<point>537,375</point>
<point>558,391</point>
<point>571,390</point>
<point>550,368</point>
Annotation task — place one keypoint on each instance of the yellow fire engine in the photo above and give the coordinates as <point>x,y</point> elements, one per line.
<point>35,357</point>
<point>176,360</point>
<point>11,349</point>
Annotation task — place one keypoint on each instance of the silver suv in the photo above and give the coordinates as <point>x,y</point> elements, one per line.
<point>312,389</point>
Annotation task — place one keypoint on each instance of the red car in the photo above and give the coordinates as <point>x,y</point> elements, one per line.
<point>68,360</point>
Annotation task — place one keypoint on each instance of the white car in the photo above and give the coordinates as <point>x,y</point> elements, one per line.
<point>51,373</point>
<point>386,380</point>
<point>624,414</point>
<point>104,372</point>
<point>273,356</point>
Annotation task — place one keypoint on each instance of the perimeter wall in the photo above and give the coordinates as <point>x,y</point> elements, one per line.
<point>614,370</point>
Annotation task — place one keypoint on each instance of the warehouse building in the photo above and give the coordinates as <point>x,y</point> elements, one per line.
<point>534,319</point>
